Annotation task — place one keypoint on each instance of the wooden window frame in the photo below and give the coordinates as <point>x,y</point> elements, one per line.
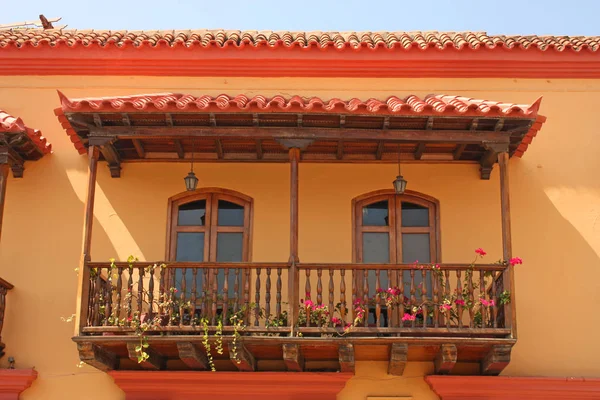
<point>211,227</point>
<point>394,226</point>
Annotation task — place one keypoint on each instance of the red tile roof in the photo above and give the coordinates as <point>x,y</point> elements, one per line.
<point>270,39</point>
<point>431,105</point>
<point>10,124</point>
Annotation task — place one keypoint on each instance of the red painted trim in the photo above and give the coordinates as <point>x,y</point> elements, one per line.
<point>483,62</point>
<point>15,381</point>
<point>173,385</point>
<point>513,388</point>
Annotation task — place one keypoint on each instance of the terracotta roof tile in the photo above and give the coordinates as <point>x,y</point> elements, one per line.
<point>10,124</point>
<point>336,40</point>
<point>432,105</point>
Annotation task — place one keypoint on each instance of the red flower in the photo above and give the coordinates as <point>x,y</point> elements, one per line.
<point>515,260</point>
<point>480,251</point>
<point>459,302</point>
<point>129,319</point>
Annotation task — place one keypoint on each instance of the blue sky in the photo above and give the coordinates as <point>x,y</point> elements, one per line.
<point>557,17</point>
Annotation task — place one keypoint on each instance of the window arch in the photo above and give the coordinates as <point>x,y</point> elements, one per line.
<point>391,228</point>
<point>209,224</point>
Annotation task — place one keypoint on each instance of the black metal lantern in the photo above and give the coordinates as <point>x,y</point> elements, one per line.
<point>191,182</point>
<point>399,182</point>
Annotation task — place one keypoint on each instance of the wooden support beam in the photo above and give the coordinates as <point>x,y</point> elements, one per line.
<point>300,121</point>
<point>169,119</point>
<point>294,360</point>
<point>386,123</point>
<point>179,149</point>
<point>340,150</point>
<point>419,151</point>
<point>259,149</point>
<point>445,359</point>
<point>109,152</point>
<point>125,119</point>
<point>342,121</point>
<point>4,168</point>
<point>380,147</point>
<point>429,123</point>
<point>213,120</point>
<point>300,144</point>
<point>499,125</point>
<point>97,120</point>
<point>83,288</point>
<point>219,147</point>
<point>490,157</point>
<point>346,357</point>
<point>154,362</point>
<point>293,273</point>
<point>496,360</point>
<point>97,357</point>
<point>400,135</point>
<point>17,170</point>
<point>191,356</point>
<point>255,121</point>
<point>458,151</point>
<point>508,279</point>
<point>139,148</point>
<point>474,124</point>
<point>242,358</point>
<point>398,359</point>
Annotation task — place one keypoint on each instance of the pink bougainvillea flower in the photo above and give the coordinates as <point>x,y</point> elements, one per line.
<point>515,260</point>
<point>408,317</point>
<point>445,307</point>
<point>459,302</point>
<point>129,319</point>
<point>308,303</point>
<point>480,251</point>
<point>336,321</point>
<point>488,303</point>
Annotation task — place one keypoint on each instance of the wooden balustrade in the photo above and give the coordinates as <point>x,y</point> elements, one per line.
<point>385,298</point>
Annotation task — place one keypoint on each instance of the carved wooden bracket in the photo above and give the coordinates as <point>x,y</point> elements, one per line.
<point>301,144</point>
<point>243,360</point>
<point>490,157</point>
<point>191,355</point>
<point>106,144</point>
<point>294,361</point>
<point>97,357</point>
<point>445,360</point>
<point>346,357</point>
<point>496,360</point>
<point>398,358</point>
<point>155,361</point>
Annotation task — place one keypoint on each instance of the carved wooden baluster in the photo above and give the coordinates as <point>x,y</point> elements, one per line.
<point>225,304</point>
<point>161,291</point>
<point>354,292</point>
<point>215,296</point>
<point>140,291</point>
<point>459,298</point>
<point>331,291</point>
<point>129,293</point>
<point>343,310</point>
<point>319,286</point>
<point>236,291</point>
<point>483,296</point>
<point>470,289</point>
<point>278,295</point>
<point>108,298</point>
<point>257,298</point>
<point>495,300</point>
<point>366,297</point>
<point>413,291</point>
<point>97,289</point>
<point>205,293</point>
<point>247,296</point>
<point>447,293</point>
<point>400,310</point>
<point>436,276</point>
<point>424,296</point>
<point>377,298</point>
<point>307,289</point>
<point>151,294</point>
<point>117,307</point>
<point>268,296</point>
<point>194,296</point>
<point>181,296</point>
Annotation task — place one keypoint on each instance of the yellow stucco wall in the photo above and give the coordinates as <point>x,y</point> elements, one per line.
<point>555,215</point>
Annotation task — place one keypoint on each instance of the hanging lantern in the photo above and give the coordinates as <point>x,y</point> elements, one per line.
<point>191,182</point>
<point>399,182</point>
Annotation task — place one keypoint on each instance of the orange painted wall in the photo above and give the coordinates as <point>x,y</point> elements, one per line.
<point>555,209</point>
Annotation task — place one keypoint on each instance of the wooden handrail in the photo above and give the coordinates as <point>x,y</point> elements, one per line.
<point>407,267</point>
<point>202,265</point>
<point>6,285</point>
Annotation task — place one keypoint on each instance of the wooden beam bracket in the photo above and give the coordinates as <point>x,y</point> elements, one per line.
<point>155,361</point>
<point>301,144</point>
<point>490,157</point>
<point>398,359</point>
<point>242,358</point>
<point>346,357</point>
<point>496,360</point>
<point>191,356</point>
<point>294,360</point>
<point>97,357</point>
<point>445,359</point>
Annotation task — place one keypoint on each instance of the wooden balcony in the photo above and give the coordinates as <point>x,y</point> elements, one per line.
<point>433,314</point>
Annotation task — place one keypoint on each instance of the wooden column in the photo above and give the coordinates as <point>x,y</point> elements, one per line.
<point>510,316</point>
<point>83,289</point>
<point>4,168</point>
<point>293,274</point>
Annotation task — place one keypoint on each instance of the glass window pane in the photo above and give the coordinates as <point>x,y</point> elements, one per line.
<point>415,247</point>
<point>193,213</point>
<point>375,214</point>
<point>376,247</point>
<point>230,247</point>
<point>190,246</point>
<point>414,215</point>
<point>230,214</point>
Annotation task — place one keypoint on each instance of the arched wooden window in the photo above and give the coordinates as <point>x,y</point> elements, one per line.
<point>391,228</point>
<point>209,224</point>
